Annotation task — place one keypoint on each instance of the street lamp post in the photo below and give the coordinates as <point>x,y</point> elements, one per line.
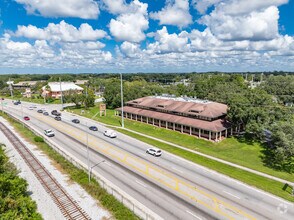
<point>61,97</point>
<point>95,166</point>
<point>122,101</point>
<point>88,155</point>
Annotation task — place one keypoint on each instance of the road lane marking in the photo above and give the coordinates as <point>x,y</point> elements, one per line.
<point>231,194</point>
<point>108,164</point>
<point>177,170</point>
<point>191,213</point>
<point>142,184</point>
<point>214,204</point>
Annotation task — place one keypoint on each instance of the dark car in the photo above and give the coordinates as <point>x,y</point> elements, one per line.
<point>26,118</point>
<point>57,114</point>
<point>53,112</point>
<point>93,128</point>
<point>45,113</point>
<point>57,118</point>
<point>40,111</point>
<point>15,103</point>
<point>76,121</point>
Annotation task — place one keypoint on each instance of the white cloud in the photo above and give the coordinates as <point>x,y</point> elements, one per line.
<point>241,19</point>
<point>130,49</point>
<point>86,9</point>
<point>174,13</point>
<point>261,25</point>
<point>115,6</point>
<point>167,43</point>
<point>130,26</point>
<point>62,32</point>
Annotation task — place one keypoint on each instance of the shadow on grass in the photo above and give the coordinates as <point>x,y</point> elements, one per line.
<point>269,160</point>
<point>245,139</point>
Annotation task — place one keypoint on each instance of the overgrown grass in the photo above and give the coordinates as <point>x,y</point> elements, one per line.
<point>249,178</point>
<point>117,209</point>
<point>241,151</point>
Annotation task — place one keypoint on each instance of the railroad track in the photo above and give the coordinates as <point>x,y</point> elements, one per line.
<point>67,205</point>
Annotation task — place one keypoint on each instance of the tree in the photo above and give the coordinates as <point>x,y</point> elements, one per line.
<point>280,149</point>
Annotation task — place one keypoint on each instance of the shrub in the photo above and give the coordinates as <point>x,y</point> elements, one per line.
<point>38,139</point>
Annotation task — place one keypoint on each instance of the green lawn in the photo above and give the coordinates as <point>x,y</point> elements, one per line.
<point>239,151</point>
<point>260,182</point>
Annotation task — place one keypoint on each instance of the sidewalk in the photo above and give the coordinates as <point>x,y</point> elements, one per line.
<point>201,154</point>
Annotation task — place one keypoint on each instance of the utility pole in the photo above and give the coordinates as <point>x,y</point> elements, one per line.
<point>122,101</point>
<point>88,155</point>
<point>10,88</point>
<point>61,97</point>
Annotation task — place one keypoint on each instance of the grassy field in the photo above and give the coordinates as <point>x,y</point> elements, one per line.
<point>239,151</point>
<point>109,202</point>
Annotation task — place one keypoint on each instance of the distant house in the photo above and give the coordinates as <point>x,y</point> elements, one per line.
<point>196,117</point>
<point>53,89</point>
<point>25,84</point>
<point>81,82</point>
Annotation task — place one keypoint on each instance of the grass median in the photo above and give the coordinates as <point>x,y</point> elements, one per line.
<point>249,178</point>
<point>240,151</point>
<point>109,202</point>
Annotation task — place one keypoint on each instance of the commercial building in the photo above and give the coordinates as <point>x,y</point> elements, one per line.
<point>192,116</point>
<point>53,89</point>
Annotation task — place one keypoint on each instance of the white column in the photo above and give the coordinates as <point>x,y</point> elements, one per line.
<point>147,120</point>
<point>190,130</point>
<point>174,126</point>
<point>152,121</point>
<point>166,124</point>
<point>226,133</point>
<point>181,128</point>
<point>216,135</point>
<point>199,132</point>
<point>160,123</point>
<point>209,135</point>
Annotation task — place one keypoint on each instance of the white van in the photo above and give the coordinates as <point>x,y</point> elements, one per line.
<point>110,133</point>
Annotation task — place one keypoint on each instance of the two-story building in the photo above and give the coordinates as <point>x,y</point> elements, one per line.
<point>54,89</point>
<point>201,118</point>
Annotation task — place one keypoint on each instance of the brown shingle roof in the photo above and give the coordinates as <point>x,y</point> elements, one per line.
<point>208,109</point>
<point>216,126</point>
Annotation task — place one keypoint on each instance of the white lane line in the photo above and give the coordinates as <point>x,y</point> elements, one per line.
<point>139,182</point>
<point>108,164</point>
<point>177,170</point>
<point>191,213</point>
<point>231,194</point>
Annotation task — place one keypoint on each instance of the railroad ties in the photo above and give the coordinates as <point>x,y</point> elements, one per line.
<point>67,205</point>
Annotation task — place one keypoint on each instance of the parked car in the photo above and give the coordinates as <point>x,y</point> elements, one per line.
<point>26,118</point>
<point>45,113</point>
<point>40,111</point>
<point>110,133</point>
<point>93,128</point>
<point>76,121</point>
<point>49,133</point>
<point>154,151</point>
<point>57,118</point>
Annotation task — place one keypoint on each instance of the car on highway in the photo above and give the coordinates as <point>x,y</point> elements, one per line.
<point>49,133</point>
<point>53,112</point>
<point>26,118</point>
<point>45,113</point>
<point>31,108</point>
<point>110,133</point>
<point>154,151</point>
<point>93,128</point>
<point>57,118</point>
<point>76,121</point>
<point>40,111</point>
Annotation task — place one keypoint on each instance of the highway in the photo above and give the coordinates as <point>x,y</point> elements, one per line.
<point>170,186</point>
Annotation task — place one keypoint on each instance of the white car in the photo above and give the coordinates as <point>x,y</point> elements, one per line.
<point>154,151</point>
<point>49,133</point>
<point>110,133</point>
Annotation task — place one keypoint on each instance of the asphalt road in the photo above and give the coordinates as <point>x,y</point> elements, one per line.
<point>173,188</point>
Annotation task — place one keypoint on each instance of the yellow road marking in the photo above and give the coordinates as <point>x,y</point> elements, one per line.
<point>148,169</point>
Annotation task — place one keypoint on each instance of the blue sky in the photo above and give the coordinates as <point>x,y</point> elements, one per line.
<point>53,36</point>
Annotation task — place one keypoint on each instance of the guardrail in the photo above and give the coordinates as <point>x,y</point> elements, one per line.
<point>138,208</point>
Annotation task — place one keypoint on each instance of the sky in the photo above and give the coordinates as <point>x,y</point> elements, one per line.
<point>102,36</point>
